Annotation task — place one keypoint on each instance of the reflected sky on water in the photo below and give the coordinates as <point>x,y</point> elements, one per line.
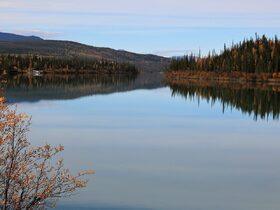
<point>153,150</point>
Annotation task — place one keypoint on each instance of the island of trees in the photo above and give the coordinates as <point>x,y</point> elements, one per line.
<point>253,59</point>
<point>28,63</point>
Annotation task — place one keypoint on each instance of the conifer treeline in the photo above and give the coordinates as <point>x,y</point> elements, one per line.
<point>31,62</point>
<point>253,56</point>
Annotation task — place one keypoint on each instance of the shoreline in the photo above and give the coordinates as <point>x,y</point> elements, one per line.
<point>184,77</point>
<point>66,71</point>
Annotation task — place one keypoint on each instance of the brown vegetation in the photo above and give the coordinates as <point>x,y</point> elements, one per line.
<point>223,77</point>
<point>28,179</point>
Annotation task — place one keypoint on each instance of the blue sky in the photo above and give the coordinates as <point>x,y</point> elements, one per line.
<point>164,27</point>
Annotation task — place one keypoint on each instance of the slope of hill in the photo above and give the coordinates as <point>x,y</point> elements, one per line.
<point>13,37</point>
<point>70,49</point>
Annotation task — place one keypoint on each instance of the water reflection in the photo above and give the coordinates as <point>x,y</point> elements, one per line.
<point>152,151</point>
<point>28,88</point>
<point>260,101</point>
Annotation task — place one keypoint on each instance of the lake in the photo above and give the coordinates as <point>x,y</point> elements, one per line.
<point>157,146</point>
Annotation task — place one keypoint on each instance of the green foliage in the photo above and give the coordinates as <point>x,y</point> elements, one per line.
<point>251,56</point>
<point>31,62</point>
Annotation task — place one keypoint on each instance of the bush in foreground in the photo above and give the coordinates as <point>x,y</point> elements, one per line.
<point>28,179</point>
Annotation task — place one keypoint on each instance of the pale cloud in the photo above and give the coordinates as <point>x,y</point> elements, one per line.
<point>197,7</point>
<point>34,32</point>
<point>148,13</point>
<point>172,52</point>
<point>91,19</point>
<point>157,26</point>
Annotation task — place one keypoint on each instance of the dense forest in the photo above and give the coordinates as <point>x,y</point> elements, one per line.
<point>17,63</point>
<point>250,56</point>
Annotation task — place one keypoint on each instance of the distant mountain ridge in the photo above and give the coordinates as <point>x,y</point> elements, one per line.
<point>21,45</point>
<point>8,37</point>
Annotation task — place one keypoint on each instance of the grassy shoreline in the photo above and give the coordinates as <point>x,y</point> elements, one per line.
<point>222,77</point>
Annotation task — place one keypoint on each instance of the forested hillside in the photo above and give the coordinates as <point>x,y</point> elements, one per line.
<point>70,50</point>
<point>16,63</point>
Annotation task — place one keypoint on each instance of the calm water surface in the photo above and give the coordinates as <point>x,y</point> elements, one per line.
<point>159,147</point>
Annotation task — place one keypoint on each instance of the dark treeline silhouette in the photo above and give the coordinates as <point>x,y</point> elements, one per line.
<point>17,63</point>
<point>262,103</point>
<point>22,87</point>
<point>28,88</point>
<point>259,55</point>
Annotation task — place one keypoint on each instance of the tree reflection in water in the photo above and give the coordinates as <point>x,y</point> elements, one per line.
<point>260,100</point>
<point>24,87</point>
